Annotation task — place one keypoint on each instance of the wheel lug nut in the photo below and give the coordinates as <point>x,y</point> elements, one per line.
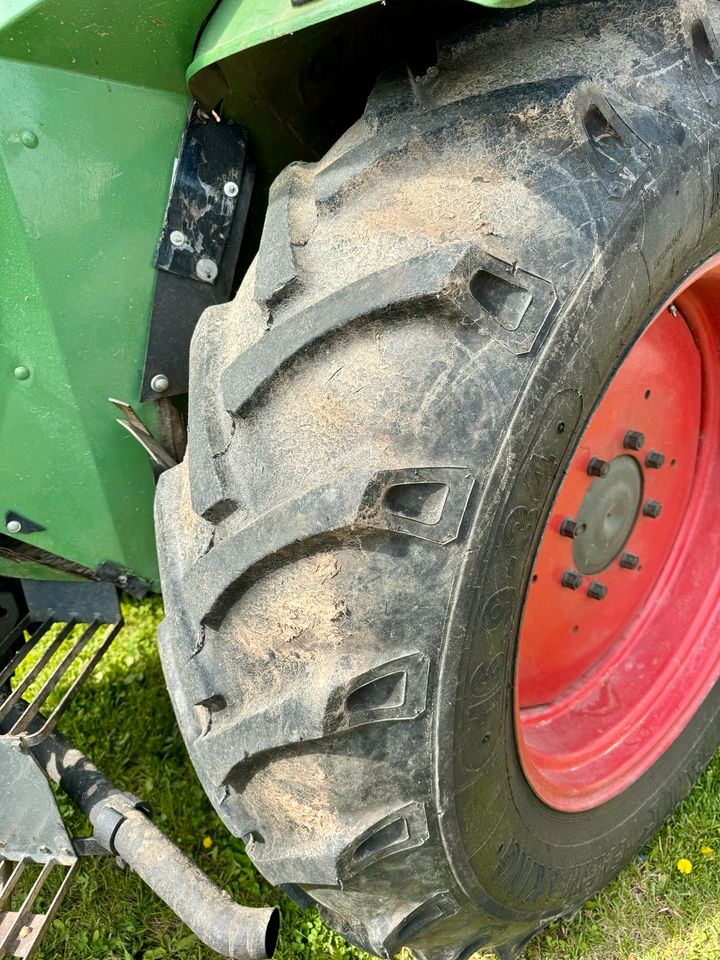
<point>598,467</point>
<point>628,561</point>
<point>572,580</point>
<point>572,529</point>
<point>652,509</point>
<point>654,460</point>
<point>597,590</point>
<point>634,440</point>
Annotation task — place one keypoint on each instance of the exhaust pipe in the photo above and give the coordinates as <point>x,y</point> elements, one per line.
<point>122,827</point>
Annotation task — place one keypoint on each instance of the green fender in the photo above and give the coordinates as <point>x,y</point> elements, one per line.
<point>238,25</point>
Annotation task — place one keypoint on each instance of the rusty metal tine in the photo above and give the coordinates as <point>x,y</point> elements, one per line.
<point>10,639</point>
<point>24,651</point>
<point>14,928</point>
<point>58,673</point>
<point>36,669</point>
<point>52,909</point>
<point>33,739</point>
<point>10,884</point>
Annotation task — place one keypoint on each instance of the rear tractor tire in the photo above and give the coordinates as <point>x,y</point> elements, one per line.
<point>441,565</point>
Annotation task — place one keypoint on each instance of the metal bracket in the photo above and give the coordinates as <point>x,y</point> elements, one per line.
<point>111,817</point>
<point>199,245</point>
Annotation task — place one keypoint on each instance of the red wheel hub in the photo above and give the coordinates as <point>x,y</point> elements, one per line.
<point>618,645</point>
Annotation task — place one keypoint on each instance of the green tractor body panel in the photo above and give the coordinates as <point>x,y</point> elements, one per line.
<point>92,106</point>
<point>240,24</point>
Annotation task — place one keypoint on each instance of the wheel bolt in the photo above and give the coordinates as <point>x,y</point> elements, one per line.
<point>634,440</point>
<point>572,580</point>
<point>598,467</point>
<point>572,529</point>
<point>597,590</point>
<point>654,460</point>
<point>628,561</point>
<point>652,509</point>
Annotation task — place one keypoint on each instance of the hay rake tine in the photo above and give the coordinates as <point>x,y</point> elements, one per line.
<point>58,673</point>
<point>34,738</point>
<point>24,651</point>
<point>36,669</point>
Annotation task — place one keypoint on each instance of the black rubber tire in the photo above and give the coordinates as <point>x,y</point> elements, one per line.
<point>435,309</point>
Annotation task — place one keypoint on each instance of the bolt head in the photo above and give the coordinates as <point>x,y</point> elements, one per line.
<point>598,467</point>
<point>572,529</point>
<point>231,189</point>
<point>14,526</point>
<point>29,139</point>
<point>673,309</point>
<point>629,561</point>
<point>652,509</point>
<point>160,383</point>
<point>634,440</point>
<point>597,590</point>
<point>21,373</point>
<point>207,270</point>
<point>654,460</point>
<point>177,238</point>
<point>572,580</point>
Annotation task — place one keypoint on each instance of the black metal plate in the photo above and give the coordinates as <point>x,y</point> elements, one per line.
<point>212,224</point>
<point>63,601</point>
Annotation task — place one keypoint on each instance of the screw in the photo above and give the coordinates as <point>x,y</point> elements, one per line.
<point>673,309</point>
<point>206,270</point>
<point>652,509</point>
<point>628,561</point>
<point>21,373</point>
<point>654,460</point>
<point>159,383</point>
<point>634,440</point>
<point>14,526</point>
<point>597,590</point>
<point>598,467</point>
<point>29,139</point>
<point>572,580</point>
<point>231,189</point>
<point>572,529</point>
<point>177,238</point>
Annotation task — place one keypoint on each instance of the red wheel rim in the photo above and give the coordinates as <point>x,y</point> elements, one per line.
<point>618,639</point>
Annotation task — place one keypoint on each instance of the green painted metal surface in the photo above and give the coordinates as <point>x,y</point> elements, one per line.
<point>240,24</point>
<point>92,105</point>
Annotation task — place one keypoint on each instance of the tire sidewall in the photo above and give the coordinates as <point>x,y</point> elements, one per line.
<point>510,853</point>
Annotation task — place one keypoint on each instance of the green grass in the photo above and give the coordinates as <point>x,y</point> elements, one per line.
<point>124,721</point>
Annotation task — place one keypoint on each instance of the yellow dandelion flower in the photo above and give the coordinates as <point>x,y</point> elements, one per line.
<point>207,843</point>
<point>684,866</point>
<point>707,851</point>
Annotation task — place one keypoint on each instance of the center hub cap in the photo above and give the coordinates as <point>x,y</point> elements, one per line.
<point>607,515</point>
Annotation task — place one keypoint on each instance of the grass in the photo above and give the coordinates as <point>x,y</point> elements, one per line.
<point>124,721</point>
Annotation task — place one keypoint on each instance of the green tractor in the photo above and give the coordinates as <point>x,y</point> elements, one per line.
<point>410,317</point>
